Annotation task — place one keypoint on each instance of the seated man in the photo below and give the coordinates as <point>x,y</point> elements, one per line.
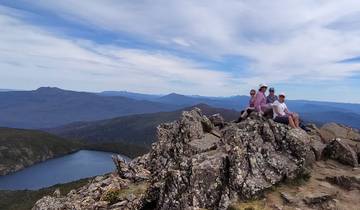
<point>283,115</point>
<point>260,100</point>
<point>271,98</point>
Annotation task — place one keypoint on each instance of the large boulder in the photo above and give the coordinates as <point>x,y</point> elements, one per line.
<point>191,168</point>
<point>330,131</point>
<point>339,150</point>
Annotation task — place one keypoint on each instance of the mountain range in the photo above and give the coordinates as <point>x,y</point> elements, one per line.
<point>319,112</point>
<point>137,129</point>
<point>49,107</point>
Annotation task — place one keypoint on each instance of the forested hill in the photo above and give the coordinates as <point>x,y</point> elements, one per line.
<point>20,148</point>
<point>135,129</point>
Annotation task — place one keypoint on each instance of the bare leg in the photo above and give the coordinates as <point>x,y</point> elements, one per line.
<point>297,121</point>
<point>291,122</point>
<point>244,115</point>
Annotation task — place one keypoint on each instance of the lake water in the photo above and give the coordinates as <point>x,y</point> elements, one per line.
<point>82,164</point>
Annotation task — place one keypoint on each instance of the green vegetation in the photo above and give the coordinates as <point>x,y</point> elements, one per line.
<point>25,199</point>
<point>250,205</point>
<point>137,129</point>
<point>20,148</point>
<point>115,195</point>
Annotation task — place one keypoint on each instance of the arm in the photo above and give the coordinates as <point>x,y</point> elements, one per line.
<point>276,109</point>
<point>252,102</point>
<point>287,111</point>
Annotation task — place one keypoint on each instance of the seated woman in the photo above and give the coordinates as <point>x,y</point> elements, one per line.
<point>251,106</point>
<point>283,115</point>
<point>260,101</point>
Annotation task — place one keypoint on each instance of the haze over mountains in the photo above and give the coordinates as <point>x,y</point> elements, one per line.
<point>137,129</point>
<point>312,111</point>
<point>53,107</point>
<point>50,107</point>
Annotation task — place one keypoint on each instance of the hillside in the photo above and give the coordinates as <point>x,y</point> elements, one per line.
<point>50,107</point>
<point>25,199</point>
<point>135,129</point>
<point>20,148</point>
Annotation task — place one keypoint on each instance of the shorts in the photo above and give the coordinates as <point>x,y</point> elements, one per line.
<point>282,119</point>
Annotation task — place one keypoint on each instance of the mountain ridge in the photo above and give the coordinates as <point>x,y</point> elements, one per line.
<point>49,107</point>
<point>133,129</point>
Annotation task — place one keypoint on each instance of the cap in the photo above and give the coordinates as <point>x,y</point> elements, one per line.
<point>282,94</point>
<point>272,89</point>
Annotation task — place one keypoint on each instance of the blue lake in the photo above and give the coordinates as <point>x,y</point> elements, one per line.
<point>82,164</point>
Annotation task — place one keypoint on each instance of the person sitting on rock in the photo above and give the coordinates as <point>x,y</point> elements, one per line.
<point>260,100</point>
<point>251,106</point>
<point>283,115</point>
<point>271,98</point>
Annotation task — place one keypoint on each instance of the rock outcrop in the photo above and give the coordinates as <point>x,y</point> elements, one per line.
<point>206,163</point>
<point>193,168</point>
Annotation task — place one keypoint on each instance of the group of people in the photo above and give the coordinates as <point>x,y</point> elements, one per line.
<point>271,105</point>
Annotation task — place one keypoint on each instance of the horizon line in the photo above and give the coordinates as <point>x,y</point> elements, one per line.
<point>161,95</point>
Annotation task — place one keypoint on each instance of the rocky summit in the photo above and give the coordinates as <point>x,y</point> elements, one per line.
<point>201,162</point>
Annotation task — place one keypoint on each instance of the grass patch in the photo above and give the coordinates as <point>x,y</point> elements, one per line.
<point>115,195</point>
<point>249,205</point>
<point>25,199</point>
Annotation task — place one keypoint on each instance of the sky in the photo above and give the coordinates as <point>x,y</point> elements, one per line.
<point>309,49</point>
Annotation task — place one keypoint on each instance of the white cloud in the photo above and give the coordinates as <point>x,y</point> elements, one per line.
<point>285,41</point>
<point>278,36</point>
<point>30,56</point>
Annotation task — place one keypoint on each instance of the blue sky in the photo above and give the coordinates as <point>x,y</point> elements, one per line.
<point>308,49</point>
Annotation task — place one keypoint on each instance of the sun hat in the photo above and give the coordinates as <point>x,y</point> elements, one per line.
<point>262,85</point>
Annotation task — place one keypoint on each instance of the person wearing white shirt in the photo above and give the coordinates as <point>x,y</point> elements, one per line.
<point>283,115</point>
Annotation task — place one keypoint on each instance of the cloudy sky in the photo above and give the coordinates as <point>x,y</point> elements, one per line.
<point>308,48</point>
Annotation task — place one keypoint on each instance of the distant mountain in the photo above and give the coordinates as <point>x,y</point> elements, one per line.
<point>233,102</point>
<point>6,90</point>
<point>311,111</point>
<point>50,107</point>
<point>20,148</point>
<point>137,96</point>
<point>135,129</point>
<point>346,118</point>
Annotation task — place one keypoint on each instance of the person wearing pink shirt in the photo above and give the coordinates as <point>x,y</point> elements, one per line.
<point>260,100</point>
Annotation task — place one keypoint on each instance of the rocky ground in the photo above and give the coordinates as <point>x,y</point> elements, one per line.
<point>206,163</point>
